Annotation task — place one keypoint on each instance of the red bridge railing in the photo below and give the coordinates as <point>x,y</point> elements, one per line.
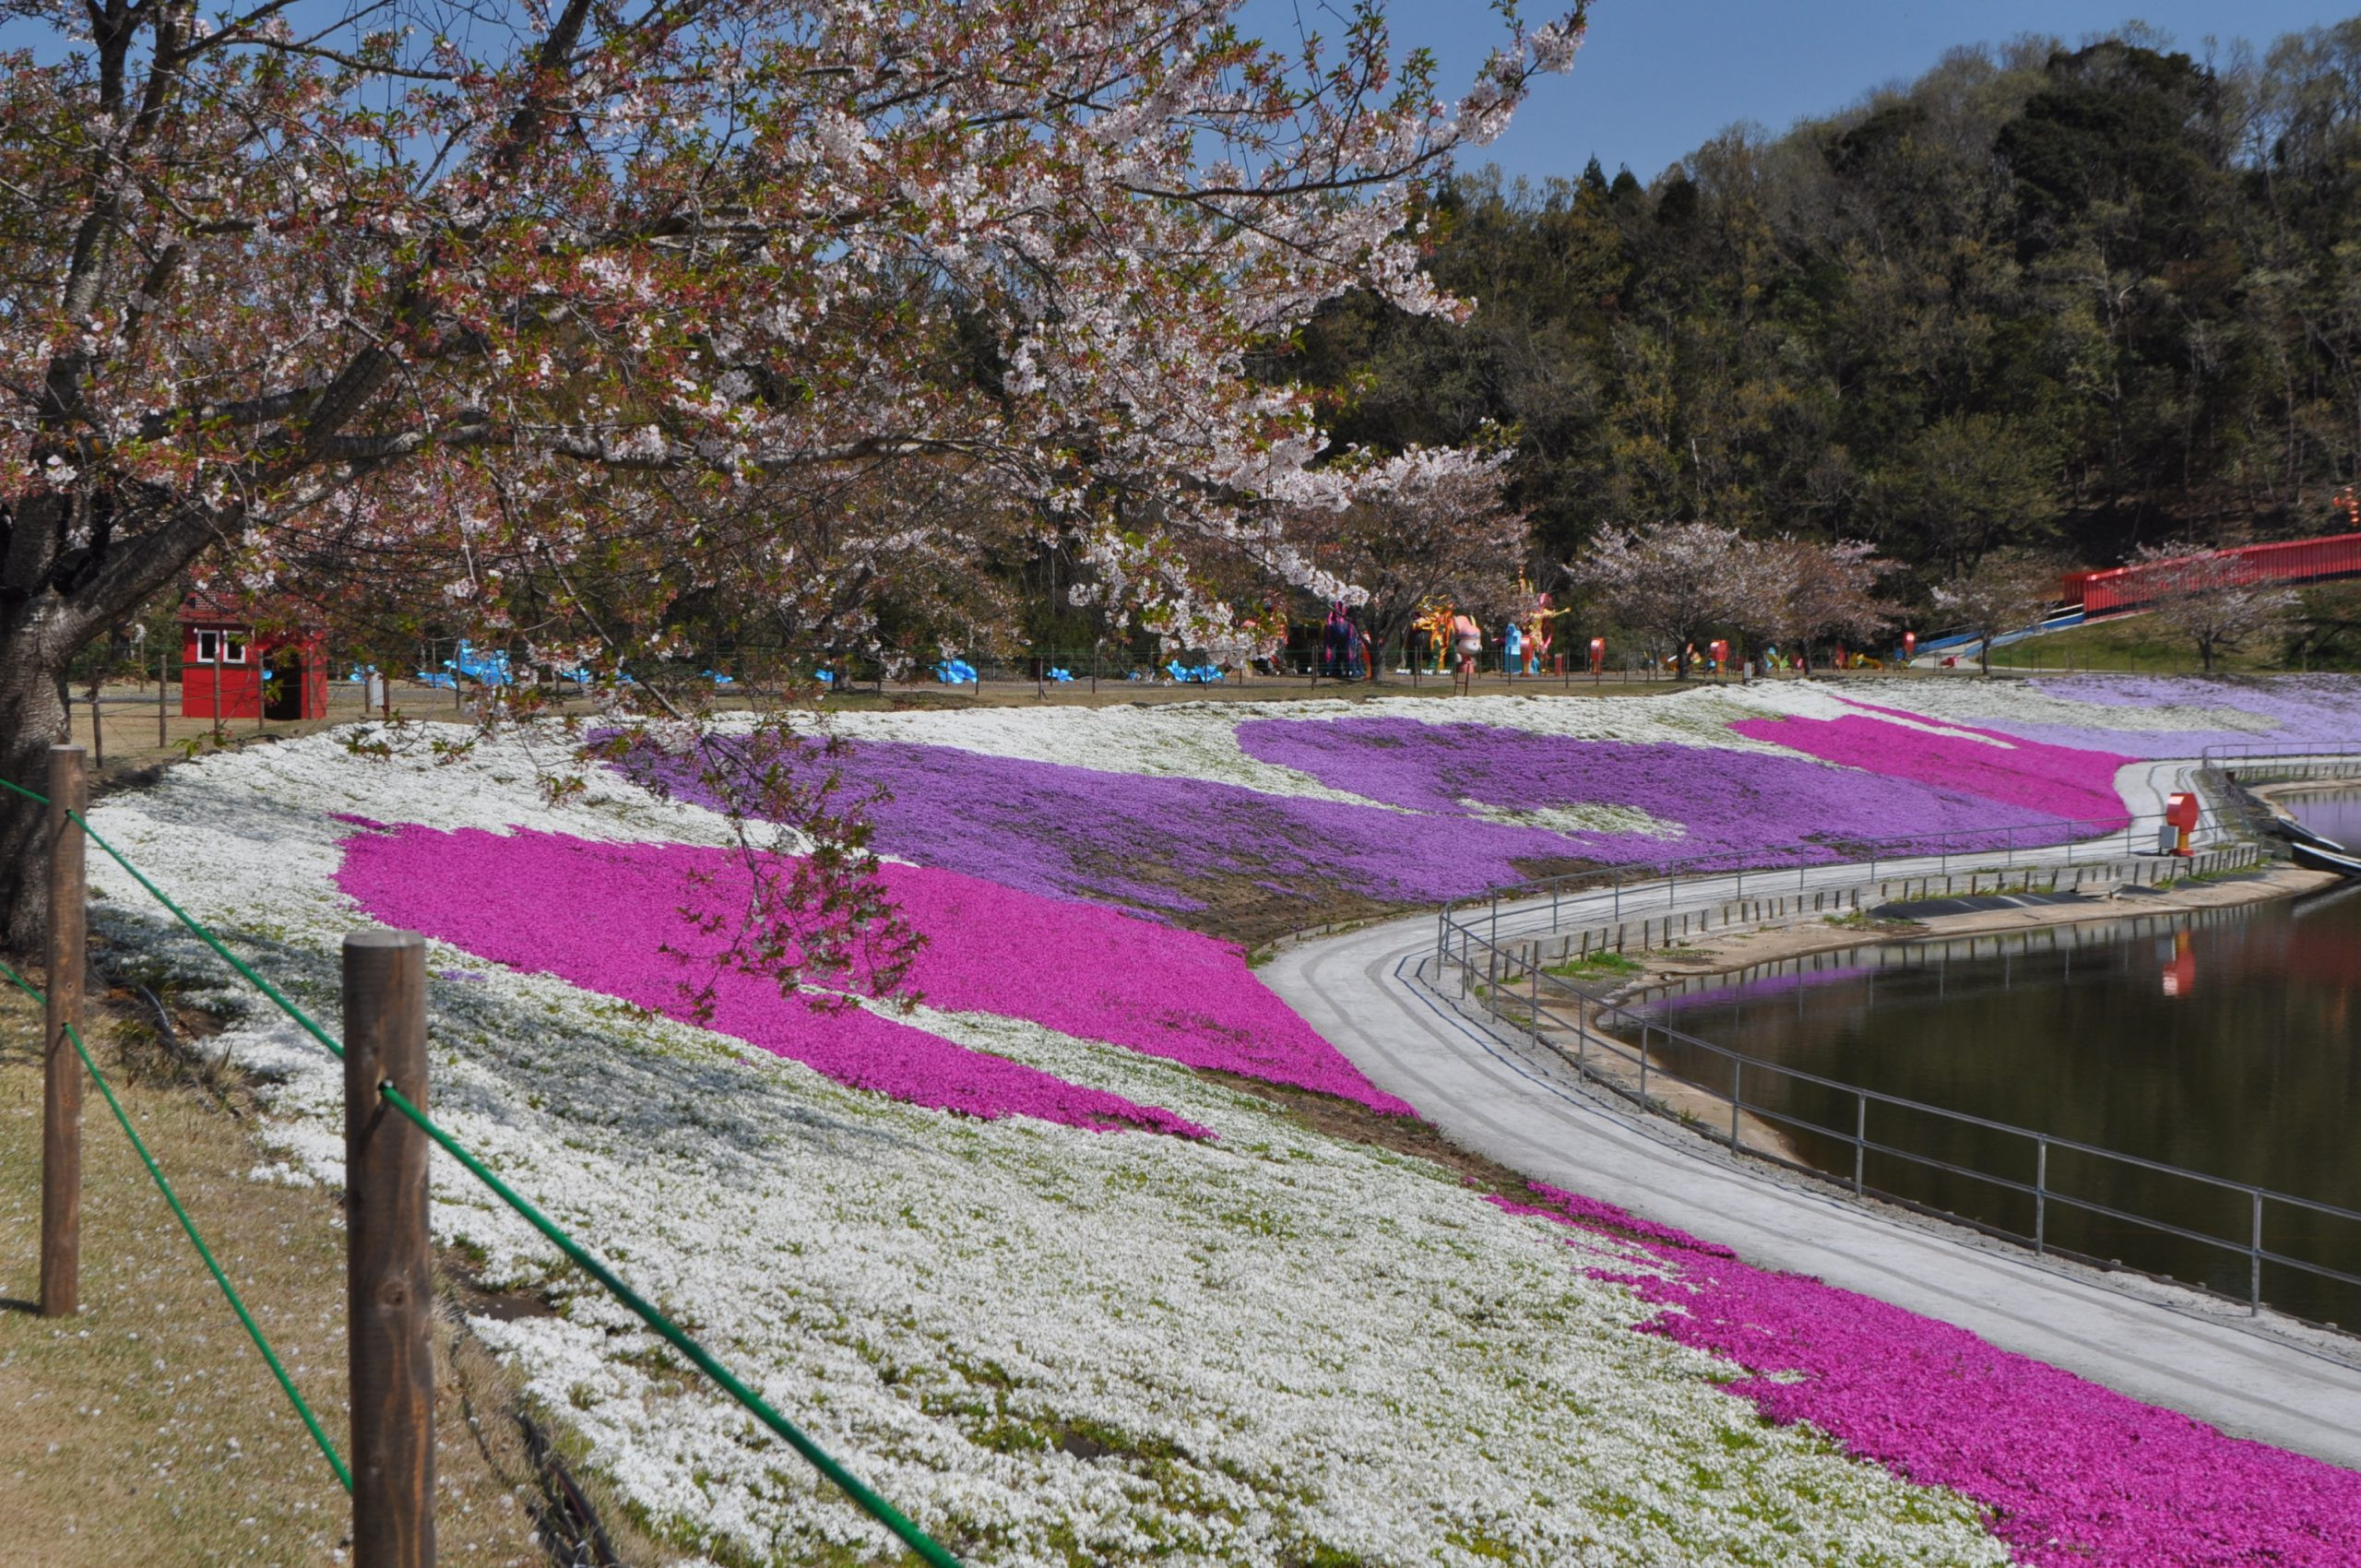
<point>2290,561</point>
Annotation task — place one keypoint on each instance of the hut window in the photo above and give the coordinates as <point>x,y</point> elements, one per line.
<point>233,648</point>
<point>220,647</point>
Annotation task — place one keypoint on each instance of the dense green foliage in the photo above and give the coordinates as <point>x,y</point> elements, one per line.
<point>2078,300</point>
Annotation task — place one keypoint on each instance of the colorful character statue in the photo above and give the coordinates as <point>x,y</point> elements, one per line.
<point>1468,641</point>
<point>1512,647</point>
<point>1536,644</point>
<point>1434,624</point>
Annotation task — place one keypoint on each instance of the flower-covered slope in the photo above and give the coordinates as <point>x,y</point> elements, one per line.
<point>1050,1344</point>
<point>1056,1344</point>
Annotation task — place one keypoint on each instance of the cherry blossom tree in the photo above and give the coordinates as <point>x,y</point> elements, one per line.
<point>565,312</point>
<point>2211,599</point>
<point>1796,592</point>
<point>1673,584</point>
<point>1432,526</point>
<point>2006,591</point>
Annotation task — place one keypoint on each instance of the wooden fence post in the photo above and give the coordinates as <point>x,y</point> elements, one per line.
<point>388,1272</point>
<point>61,1123</point>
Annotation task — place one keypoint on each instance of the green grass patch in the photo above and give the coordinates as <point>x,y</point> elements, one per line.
<point>1600,965</point>
<point>2325,634</point>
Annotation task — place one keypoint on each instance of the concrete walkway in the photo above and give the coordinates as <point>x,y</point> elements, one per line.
<point>2270,1379</point>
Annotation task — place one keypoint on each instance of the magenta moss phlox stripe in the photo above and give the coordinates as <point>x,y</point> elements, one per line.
<point>2058,781</point>
<point>1090,971</point>
<point>1594,1214</point>
<point>1070,967</point>
<point>600,915</point>
<point>2072,1474</point>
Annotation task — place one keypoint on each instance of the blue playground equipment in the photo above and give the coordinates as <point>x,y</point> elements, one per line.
<point>719,679</point>
<point>484,669</point>
<point>1202,674</point>
<point>955,673</point>
<point>1055,673</point>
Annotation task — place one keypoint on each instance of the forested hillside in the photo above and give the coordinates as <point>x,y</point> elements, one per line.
<point>2080,300</point>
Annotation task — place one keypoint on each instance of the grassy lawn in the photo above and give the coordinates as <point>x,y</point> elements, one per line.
<point>2328,638</point>
<point>148,1429</point>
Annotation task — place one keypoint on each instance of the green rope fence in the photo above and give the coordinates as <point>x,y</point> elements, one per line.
<point>877,1508</point>
<point>253,1331</point>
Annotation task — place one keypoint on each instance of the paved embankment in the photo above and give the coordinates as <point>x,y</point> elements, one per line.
<point>2267,1380</point>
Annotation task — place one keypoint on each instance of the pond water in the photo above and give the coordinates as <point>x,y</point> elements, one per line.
<point>2227,1042</point>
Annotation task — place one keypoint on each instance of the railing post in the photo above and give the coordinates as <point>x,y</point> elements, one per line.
<point>1643,1064</point>
<point>2254,1289</point>
<point>388,1271</point>
<point>1860,1141</point>
<point>1737,1096</point>
<point>2040,1195</point>
<point>61,1121</point>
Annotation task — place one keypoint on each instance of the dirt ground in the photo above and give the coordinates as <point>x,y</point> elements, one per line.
<point>148,1431</point>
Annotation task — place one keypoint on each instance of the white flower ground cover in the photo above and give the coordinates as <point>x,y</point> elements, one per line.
<point>1051,1346</point>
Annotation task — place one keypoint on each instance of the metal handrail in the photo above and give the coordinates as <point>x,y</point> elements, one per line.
<point>2277,756</point>
<point>1800,857</point>
<point>1596,1013</point>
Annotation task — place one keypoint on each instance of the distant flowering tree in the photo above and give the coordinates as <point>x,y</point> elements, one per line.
<point>1673,584</point>
<point>2211,599</point>
<point>1797,593</point>
<point>568,314</point>
<point>2007,590</point>
<point>1432,525</point>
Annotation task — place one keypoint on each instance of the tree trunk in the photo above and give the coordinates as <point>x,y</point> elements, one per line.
<point>62,582</point>
<point>32,720</point>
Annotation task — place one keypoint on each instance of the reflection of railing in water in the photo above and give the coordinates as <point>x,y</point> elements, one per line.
<point>1512,991</point>
<point>1817,969</point>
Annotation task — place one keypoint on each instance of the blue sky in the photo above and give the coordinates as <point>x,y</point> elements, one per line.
<point>1658,77</point>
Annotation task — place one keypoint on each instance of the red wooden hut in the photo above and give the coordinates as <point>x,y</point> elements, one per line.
<point>231,670</point>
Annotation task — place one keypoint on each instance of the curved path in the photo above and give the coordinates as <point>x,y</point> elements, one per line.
<point>2271,1380</point>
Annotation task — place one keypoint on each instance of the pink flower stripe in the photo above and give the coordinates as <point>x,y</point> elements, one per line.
<point>2073,1475</point>
<point>1069,967</point>
<point>1594,1214</point>
<point>2063,782</point>
<point>1083,970</point>
<point>600,915</point>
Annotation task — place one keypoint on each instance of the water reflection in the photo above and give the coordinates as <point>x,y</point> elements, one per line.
<point>2222,1041</point>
